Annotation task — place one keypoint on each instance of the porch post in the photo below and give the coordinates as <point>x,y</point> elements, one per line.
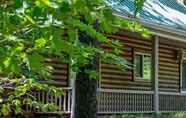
<point>155,69</point>
<point>72,107</point>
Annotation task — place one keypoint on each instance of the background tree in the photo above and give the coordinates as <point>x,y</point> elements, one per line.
<point>184,2</point>
<point>33,30</point>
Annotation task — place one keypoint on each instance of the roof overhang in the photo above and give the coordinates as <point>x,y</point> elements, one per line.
<point>158,29</point>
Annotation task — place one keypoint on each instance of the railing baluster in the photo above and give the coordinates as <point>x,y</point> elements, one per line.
<point>64,102</point>
<point>56,102</point>
<point>35,95</point>
<point>39,98</point>
<point>60,103</point>
<point>69,100</point>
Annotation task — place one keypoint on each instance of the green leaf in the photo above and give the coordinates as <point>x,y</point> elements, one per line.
<point>108,14</point>
<point>19,47</point>
<point>89,30</point>
<point>15,67</point>
<point>47,2</point>
<point>11,98</point>
<point>41,42</point>
<point>35,61</point>
<point>64,7</point>
<point>30,19</point>
<point>6,62</point>
<point>15,19</point>
<point>138,5</point>
<point>18,110</point>
<point>18,4</point>
<point>38,11</point>
<point>6,109</point>
<point>72,36</point>
<point>59,44</point>
<point>92,74</point>
<point>16,102</point>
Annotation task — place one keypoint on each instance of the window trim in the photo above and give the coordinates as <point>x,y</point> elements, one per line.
<point>134,72</point>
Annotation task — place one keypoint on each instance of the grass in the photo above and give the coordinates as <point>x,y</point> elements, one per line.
<point>165,115</point>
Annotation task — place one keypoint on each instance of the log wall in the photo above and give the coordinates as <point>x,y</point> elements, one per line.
<point>60,72</point>
<point>169,67</point>
<point>114,78</point>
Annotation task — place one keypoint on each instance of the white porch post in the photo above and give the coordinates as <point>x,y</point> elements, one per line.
<point>155,69</point>
<point>72,78</point>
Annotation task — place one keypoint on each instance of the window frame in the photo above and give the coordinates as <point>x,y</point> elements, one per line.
<point>134,69</point>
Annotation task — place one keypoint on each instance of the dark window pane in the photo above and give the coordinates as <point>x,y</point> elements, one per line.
<point>138,66</point>
<point>184,76</point>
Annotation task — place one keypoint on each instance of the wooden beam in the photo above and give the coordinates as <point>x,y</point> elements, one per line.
<point>155,68</point>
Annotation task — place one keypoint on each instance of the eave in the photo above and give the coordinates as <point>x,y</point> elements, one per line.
<point>168,32</point>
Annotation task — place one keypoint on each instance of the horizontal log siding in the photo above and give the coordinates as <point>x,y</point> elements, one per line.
<point>169,68</point>
<point>59,74</point>
<point>114,78</point>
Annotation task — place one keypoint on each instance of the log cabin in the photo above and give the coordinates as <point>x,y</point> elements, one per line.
<point>157,83</point>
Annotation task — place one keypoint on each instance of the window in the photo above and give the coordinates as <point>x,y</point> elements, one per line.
<point>142,64</point>
<point>184,75</point>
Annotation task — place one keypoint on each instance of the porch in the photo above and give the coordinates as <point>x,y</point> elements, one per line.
<point>112,101</point>
<point>120,92</point>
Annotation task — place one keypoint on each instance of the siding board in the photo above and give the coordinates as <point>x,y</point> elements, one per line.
<point>59,73</point>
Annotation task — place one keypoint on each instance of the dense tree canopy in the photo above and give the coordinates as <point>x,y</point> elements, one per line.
<point>32,31</point>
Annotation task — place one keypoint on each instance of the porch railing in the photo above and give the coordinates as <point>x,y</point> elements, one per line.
<point>119,101</point>
<point>172,102</point>
<point>127,101</point>
<point>63,102</point>
<point>124,101</point>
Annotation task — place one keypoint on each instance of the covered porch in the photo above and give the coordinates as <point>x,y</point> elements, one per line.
<point>120,92</point>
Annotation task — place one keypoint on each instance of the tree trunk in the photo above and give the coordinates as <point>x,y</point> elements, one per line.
<point>85,87</point>
<point>86,97</point>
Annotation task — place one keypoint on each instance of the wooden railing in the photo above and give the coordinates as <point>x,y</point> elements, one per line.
<point>124,101</point>
<point>119,101</point>
<point>127,101</point>
<point>172,102</point>
<point>63,102</point>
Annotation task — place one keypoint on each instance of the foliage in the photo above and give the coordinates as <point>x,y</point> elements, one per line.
<point>33,30</point>
<point>139,5</point>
